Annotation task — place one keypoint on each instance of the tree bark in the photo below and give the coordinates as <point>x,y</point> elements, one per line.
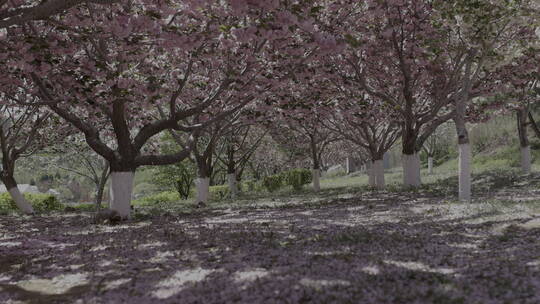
<point>348,165</point>
<point>101,187</point>
<point>465,172</point>
<point>233,186</point>
<point>464,156</point>
<point>411,170</point>
<point>410,157</point>
<point>534,125</point>
<point>18,198</point>
<point>377,170</point>
<point>121,190</point>
<point>430,164</point>
<point>203,189</point>
<point>316,172</point>
<point>524,140</point>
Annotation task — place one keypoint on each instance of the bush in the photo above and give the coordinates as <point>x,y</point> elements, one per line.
<point>86,207</point>
<point>159,198</point>
<point>253,185</point>
<point>272,182</point>
<point>40,202</point>
<point>219,192</point>
<point>179,176</point>
<point>297,178</point>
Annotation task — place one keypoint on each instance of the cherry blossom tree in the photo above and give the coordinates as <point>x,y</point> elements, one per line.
<point>23,132</point>
<point>236,148</point>
<point>519,82</point>
<point>20,11</point>
<point>366,125</point>
<point>297,122</point>
<point>121,61</point>
<point>435,144</point>
<point>484,34</point>
<point>267,159</point>
<point>392,54</point>
<point>74,156</point>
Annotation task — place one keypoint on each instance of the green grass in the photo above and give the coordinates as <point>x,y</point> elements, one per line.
<point>491,171</point>
<point>40,202</point>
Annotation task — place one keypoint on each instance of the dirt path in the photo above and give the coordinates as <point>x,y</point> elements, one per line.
<point>370,248</point>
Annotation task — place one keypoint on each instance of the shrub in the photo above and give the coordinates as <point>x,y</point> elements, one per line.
<point>179,177</point>
<point>297,178</point>
<point>159,198</point>
<point>219,192</point>
<point>44,202</point>
<point>40,202</point>
<point>253,185</point>
<point>272,182</point>
<point>87,207</point>
<point>183,186</point>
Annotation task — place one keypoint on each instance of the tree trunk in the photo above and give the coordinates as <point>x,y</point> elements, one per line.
<point>233,186</point>
<point>316,172</point>
<point>430,164</point>
<point>411,170</point>
<point>526,159</point>
<point>534,125</point>
<point>410,157</point>
<point>316,179</point>
<point>524,140</point>
<point>465,172</point>
<point>377,170</point>
<point>464,158</point>
<point>371,177</point>
<point>101,187</point>
<point>203,189</point>
<point>121,191</point>
<point>18,198</point>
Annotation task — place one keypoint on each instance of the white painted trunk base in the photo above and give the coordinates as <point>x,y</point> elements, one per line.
<point>377,170</point>
<point>465,172</point>
<point>203,189</point>
<point>121,190</point>
<point>20,201</point>
<point>411,170</point>
<point>371,176</point>
<point>316,179</point>
<point>233,185</point>
<point>430,165</point>
<point>526,159</point>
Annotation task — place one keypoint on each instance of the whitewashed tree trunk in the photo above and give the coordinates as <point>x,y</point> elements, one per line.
<point>377,169</point>
<point>121,191</point>
<point>526,159</point>
<point>316,179</point>
<point>233,185</point>
<point>465,172</point>
<point>524,144</point>
<point>203,189</point>
<point>371,175</point>
<point>20,201</point>
<point>430,164</point>
<point>411,170</point>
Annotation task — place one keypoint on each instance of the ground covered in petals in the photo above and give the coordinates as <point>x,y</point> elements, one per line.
<point>357,247</point>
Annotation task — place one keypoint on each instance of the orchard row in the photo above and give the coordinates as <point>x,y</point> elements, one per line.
<point>123,73</point>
